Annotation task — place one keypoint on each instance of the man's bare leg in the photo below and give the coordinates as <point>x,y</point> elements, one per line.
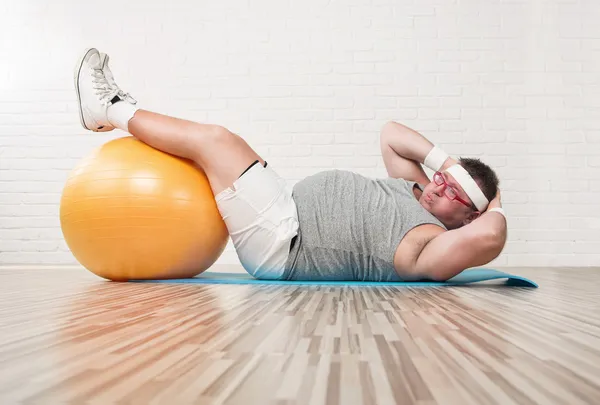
<point>222,154</point>
<point>103,106</point>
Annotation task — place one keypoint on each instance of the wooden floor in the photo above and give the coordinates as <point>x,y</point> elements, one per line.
<point>69,337</point>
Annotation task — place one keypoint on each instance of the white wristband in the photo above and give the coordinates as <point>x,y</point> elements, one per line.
<point>435,158</point>
<point>498,209</point>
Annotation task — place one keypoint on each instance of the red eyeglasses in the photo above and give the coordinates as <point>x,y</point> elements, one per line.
<point>449,191</point>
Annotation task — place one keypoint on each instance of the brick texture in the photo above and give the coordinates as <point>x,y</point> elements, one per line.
<point>309,84</point>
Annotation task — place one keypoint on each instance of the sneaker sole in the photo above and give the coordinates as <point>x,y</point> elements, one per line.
<point>77,73</point>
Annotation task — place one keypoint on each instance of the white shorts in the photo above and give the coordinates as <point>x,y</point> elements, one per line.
<point>262,219</point>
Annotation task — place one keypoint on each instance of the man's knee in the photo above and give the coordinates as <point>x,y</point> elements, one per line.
<point>218,133</point>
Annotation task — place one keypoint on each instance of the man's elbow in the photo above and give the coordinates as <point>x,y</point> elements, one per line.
<point>388,124</point>
<point>497,241</point>
<point>392,128</point>
<point>489,249</point>
<point>388,129</point>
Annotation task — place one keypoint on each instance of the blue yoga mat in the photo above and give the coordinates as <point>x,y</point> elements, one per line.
<point>466,277</point>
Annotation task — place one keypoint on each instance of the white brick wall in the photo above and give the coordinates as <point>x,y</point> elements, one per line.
<point>309,84</point>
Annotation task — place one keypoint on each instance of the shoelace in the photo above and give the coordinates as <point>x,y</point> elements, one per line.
<point>122,94</point>
<point>104,90</point>
<point>127,96</point>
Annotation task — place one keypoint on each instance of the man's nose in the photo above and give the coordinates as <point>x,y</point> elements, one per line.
<point>439,189</point>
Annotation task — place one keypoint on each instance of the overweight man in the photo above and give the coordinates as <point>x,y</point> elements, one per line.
<point>335,224</point>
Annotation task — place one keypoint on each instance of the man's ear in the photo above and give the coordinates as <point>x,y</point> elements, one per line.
<point>472,217</point>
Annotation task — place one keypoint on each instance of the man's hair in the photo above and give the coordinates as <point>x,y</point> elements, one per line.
<point>483,175</point>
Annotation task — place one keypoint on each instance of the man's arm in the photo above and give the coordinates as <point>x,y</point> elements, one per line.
<point>472,245</point>
<point>404,150</point>
<point>453,251</point>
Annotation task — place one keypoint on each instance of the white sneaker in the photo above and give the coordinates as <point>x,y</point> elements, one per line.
<point>94,93</point>
<point>111,79</point>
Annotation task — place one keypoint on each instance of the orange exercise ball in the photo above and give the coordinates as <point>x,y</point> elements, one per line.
<point>131,212</point>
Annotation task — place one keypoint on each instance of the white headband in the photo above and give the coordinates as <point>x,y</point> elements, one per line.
<point>469,185</point>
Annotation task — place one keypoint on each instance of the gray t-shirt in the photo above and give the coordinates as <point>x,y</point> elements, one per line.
<point>351,226</point>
